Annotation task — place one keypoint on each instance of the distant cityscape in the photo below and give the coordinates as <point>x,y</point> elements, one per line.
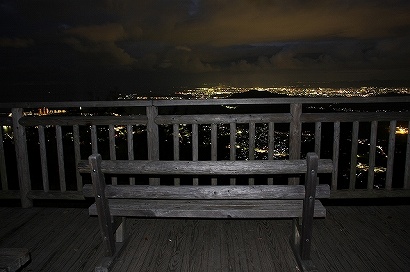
<point>222,91</point>
<point>260,151</point>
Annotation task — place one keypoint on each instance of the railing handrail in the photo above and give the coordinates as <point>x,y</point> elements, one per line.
<point>152,118</point>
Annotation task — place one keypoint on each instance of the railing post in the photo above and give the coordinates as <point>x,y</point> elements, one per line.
<point>153,138</point>
<point>20,145</point>
<point>295,136</point>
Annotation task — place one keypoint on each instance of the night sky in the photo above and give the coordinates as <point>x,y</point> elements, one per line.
<point>72,50</point>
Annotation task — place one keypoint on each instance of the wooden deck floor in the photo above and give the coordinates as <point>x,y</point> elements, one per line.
<point>351,238</point>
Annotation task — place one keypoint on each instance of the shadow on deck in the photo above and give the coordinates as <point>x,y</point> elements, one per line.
<point>351,238</point>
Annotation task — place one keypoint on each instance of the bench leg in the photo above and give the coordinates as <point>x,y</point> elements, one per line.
<point>120,231</point>
<point>305,264</point>
<point>112,230</point>
<point>107,262</point>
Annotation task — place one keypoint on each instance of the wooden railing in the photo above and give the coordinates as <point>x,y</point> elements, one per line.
<point>39,153</point>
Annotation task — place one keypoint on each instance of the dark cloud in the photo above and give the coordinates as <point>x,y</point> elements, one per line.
<point>195,41</point>
<point>15,42</point>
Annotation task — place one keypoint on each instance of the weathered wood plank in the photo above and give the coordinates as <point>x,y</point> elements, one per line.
<point>94,139</point>
<point>335,155</point>
<point>372,154</point>
<point>152,138</point>
<point>390,154</point>
<point>3,169</point>
<point>223,118</point>
<point>295,136</point>
<point>214,147</point>
<point>130,148</point>
<point>368,238</point>
<point>251,155</point>
<point>195,148</point>
<point>232,146</point>
<point>23,168</point>
<point>353,155</point>
<point>102,205</point>
<point>82,120</point>
<point>271,145</point>
<point>209,192</point>
<point>318,138</point>
<point>77,155</point>
<point>407,164</point>
<point>256,167</point>
<point>309,204</point>
<point>113,153</point>
<point>382,193</point>
<point>51,194</point>
<point>209,209</point>
<point>12,259</point>
<point>175,142</point>
<point>354,116</point>
<point>60,158</point>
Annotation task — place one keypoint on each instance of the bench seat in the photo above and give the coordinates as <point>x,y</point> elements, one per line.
<point>209,209</point>
<point>114,202</point>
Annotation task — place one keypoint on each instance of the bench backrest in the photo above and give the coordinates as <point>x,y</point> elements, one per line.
<point>312,165</point>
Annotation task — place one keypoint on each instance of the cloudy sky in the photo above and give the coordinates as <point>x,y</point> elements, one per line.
<point>88,49</point>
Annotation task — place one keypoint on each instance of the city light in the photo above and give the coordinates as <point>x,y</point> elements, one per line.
<point>402,130</point>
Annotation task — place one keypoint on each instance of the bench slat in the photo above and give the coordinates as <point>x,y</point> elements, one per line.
<point>209,192</point>
<point>209,209</point>
<point>256,167</point>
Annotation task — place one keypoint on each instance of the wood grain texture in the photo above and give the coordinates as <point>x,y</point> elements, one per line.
<point>209,209</point>
<point>12,259</point>
<point>209,192</point>
<point>256,167</point>
<point>351,238</point>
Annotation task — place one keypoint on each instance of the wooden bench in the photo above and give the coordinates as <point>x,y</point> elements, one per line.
<point>206,201</point>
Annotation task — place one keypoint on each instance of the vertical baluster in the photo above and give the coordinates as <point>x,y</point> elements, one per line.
<point>232,144</point>
<point>77,156</point>
<point>271,145</point>
<point>406,184</point>
<point>94,139</point>
<point>252,135</point>
<point>3,170</point>
<point>43,158</point>
<point>152,139</point>
<point>195,148</point>
<point>60,158</point>
<point>353,155</point>
<point>214,148</point>
<point>295,136</point>
<point>372,155</point>
<point>130,148</point>
<point>336,144</point>
<point>175,137</point>
<point>318,138</point>
<point>390,154</point>
<point>113,154</point>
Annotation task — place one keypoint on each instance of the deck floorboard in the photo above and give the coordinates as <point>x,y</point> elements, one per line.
<point>351,238</point>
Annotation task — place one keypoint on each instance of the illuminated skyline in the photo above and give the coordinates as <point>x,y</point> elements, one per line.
<point>88,50</point>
